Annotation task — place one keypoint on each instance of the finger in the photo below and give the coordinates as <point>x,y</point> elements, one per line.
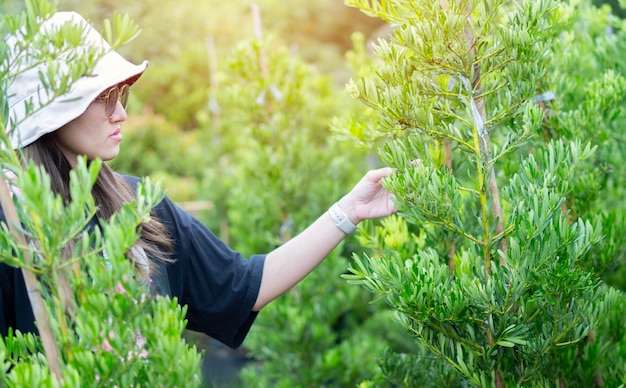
<point>380,173</point>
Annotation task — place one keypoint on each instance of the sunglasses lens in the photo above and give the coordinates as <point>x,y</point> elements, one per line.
<point>113,96</point>
<point>111,101</point>
<point>124,95</point>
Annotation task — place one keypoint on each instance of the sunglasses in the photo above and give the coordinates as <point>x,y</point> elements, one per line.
<point>112,96</point>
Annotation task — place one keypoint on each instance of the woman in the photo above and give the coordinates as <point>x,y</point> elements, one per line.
<point>181,257</point>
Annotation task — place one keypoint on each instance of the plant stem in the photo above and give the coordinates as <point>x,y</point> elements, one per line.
<point>481,136</point>
<point>496,205</point>
<point>42,317</point>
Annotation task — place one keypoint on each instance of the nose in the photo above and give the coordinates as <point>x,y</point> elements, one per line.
<point>119,114</point>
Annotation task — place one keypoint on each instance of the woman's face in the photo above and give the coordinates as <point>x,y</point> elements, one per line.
<point>92,134</point>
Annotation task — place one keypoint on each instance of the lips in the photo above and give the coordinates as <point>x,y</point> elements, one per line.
<point>116,136</point>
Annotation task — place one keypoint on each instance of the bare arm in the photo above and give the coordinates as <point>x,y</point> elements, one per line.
<point>292,261</point>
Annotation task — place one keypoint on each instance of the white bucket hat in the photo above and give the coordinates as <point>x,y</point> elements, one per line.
<point>110,70</point>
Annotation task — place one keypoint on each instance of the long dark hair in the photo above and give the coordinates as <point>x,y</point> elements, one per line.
<point>110,193</point>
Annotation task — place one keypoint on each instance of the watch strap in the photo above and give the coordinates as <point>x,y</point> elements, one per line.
<point>341,219</point>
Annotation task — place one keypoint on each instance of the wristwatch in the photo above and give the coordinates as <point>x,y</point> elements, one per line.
<point>341,219</point>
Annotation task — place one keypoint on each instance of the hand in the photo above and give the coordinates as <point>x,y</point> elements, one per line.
<point>368,198</point>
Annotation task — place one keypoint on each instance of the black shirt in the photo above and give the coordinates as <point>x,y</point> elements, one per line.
<point>217,284</point>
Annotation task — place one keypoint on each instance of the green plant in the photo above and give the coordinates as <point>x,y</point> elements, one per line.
<point>270,146</point>
<point>279,169</point>
<point>98,324</point>
<point>490,167</point>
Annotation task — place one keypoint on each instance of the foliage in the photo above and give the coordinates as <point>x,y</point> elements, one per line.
<point>270,144</point>
<point>590,108</point>
<point>310,339</point>
<point>275,154</point>
<point>153,146</point>
<point>511,188</point>
<point>106,328</point>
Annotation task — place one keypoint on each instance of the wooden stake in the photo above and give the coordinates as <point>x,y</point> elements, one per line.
<point>213,86</point>
<point>258,32</point>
